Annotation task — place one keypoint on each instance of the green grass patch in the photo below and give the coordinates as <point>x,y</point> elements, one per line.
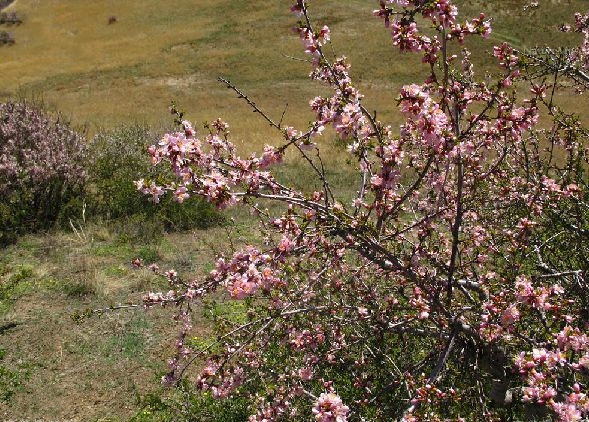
<point>78,289</point>
<point>130,342</point>
<point>11,381</point>
<point>14,282</point>
<point>119,250</point>
<point>234,311</point>
<point>148,254</point>
<point>116,271</point>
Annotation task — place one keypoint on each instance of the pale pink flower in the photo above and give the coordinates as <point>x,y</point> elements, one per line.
<point>510,316</point>
<point>330,408</point>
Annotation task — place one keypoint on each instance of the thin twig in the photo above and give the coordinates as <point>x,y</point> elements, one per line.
<point>250,102</point>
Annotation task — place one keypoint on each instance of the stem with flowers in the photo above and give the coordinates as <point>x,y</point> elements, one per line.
<point>446,289</point>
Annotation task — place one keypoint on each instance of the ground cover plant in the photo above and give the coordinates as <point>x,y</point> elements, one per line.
<point>10,18</point>
<point>455,246</point>
<point>6,38</point>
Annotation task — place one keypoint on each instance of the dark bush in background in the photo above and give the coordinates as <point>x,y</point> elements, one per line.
<point>10,18</point>
<point>117,158</point>
<point>41,168</point>
<point>6,38</point>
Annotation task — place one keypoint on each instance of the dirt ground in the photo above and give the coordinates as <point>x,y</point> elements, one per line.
<point>53,369</point>
<point>94,371</point>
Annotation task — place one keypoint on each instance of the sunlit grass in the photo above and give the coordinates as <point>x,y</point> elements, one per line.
<point>104,74</point>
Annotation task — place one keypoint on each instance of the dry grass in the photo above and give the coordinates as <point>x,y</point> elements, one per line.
<point>103,74</point>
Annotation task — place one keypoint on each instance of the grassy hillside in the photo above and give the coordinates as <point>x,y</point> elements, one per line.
<point>99,73</point>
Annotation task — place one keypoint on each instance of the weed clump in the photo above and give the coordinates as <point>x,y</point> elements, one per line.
<point>6,38</point>
<point>10,18</point>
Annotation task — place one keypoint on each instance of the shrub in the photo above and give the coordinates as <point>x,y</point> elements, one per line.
<point>41,168</point>
<point>118,160</point>
<point>6,38</point>
<point>10,18</point>
<point>186,406</point>
<point>5,3</point>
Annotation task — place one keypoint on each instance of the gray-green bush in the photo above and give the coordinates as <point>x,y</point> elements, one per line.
<point>117,159</point>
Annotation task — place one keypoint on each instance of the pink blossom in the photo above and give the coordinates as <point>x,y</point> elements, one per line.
<point>181,194</point>
<point>305,373</point>
<point>330,408</point>
<point>510,316</point>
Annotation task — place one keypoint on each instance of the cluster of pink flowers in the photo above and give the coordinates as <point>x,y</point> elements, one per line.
<point>312,41</point>
<point>153,190</point>
<point>429,393</point>
<point>425,116</point>
<point>450,242</point>
<point>574,408</point>
<point>407,37</point>
<point>442,13</point>
<point>499,318</point>
<point>220,385</point>
<point>246,273</point>
<point>506,56</point>
<point>537,297</point>
<point>208,172</point>
<point>582,54</point>
<point>541,368</point>
<point>307,339</point>
<point>330,408</point>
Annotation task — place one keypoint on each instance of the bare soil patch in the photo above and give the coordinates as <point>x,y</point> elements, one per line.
<point>78,372</point>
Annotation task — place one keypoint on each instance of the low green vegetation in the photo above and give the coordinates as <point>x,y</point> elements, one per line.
<point>10,380</point>
<point>183,405</point>
<point>14,281</point>
<point>117,158</point>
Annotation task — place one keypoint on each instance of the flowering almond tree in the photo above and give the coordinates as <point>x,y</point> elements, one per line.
<point>452,286</point>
